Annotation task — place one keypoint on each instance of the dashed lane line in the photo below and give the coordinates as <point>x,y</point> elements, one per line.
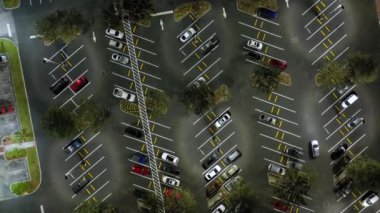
<point>261,30</point>
<point>280,141</point>
<point>342,125</point>
<point>324,39</point>
<point>329,49</point>
<point>276,128</point>
<point>273,104</point>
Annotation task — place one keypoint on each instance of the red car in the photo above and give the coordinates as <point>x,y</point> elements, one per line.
<point>142,170</point>
<point>5,109</point>
<point>168,192</point>
<point>281,206</point>
<point>277,63</point>
<point>79,83</point>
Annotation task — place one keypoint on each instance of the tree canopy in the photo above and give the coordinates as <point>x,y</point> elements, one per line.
<point>197,99</point>
<point>178,200</point>
<point>157,102</point>
<point>112,18</point>
<point>365,173</point>
<point>90,115</point>
<point>241,196</point>
<point>137,10</point>
<point>265,79</point>
<point>58,123</point>
<point>296,185</point>
<point>95,208</point>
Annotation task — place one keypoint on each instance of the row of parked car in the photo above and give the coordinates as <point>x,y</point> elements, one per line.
<point>63,82</point>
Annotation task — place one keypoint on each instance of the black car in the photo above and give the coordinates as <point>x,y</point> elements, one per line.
<point>209,161</point>
<point>209,45</point>
<point>133,132</point>
<point>73,145</point>
<point>60,85</point>
<point>139,193</point>
<point>293,152</point>
<point>80,185</point>
<point>339,152</point>
<point>170,169</point>
<point>344,187</point>
<point>252,55</point>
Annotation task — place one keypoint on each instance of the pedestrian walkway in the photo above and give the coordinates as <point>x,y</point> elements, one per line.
<point>19,145</point>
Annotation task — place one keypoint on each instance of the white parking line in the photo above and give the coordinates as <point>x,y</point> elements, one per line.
<point>221,172</point>
<point>195,21</point>
<point>270,103</point>
<point>153,65</point>
<point>109,195</point>
<point>266,20</point>
<point>278,117</point>
<point>310,8</point>
<point>258,29</point>
<point>141,141</point>
<point>324,39</point>
<point>209,139</point>
<point>158,124</point>
<point>160,136</point>
<point>198,33</point>
<point>340,54</point>
<point>196,49</point>
<point>333,118</point>
<point>276,128</point>
<point>328,137</point>
<point>88,84</point>
<point>337,100</point>
<point>353,202</point>
<point>323,25</point>
<point>282,153</point>
<point>146,85</point>
<point>280,141</point>
<point>92,166</point>
<point>204,114</point>
<point>261,53</point>
<point>283,96</point>
<point>199,61</point>
<point>88,141</point>
<point>141,187</point>
<point>270,45</point>
<point>85,158</point>
<point>131,91</point>
<point>145,50</point>
<point>146,177</point>
<point>329,49</point>
<point>332,90</point>
<point>143,38</point>
<point>319,14</point>
<point>92,195</point>
<point>359,153</point>
<point>217,147</point>
<point>68,59</point>
<point>211,122</point>
<point>56,53</point>
<point>203,72</point>
<point>340,141</point>
<point>254,62</point>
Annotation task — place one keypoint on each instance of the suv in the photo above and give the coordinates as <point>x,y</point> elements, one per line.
<point>73,145</point>
<point>209,45</point>
<point>133,132</point>
<point>80,185</point>
<point>339,152</point>
<point>170,169</point>
<point>233,156</point>
<point>209,161</point>
<point>58,86</point>
<point>266,13</point>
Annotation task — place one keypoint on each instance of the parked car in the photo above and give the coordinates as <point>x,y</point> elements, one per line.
<point>73,145</point>
<point>133,132</point>
<point>201,80</point>
<point>139,158</point>
<point>142,170</point>
<point>169,158</point>
<point>209,161</point>
<point>213,187</point>
<point>230,184</point>
<point>279,205</point>
<point>344,187</point>
<point>314,148</point>
<point>293,152</point>
<point>294,164</point>
<point>343,89</point>
<point>5,109</point>
<point>222,119</point>
<point>170,169</point>
<point>209,45</point>
<point>114,33</point>
<point>266,13</point>
<point>139,193</point>
<point>3,59</point>
<point>120,58</point>
<point>233,156</point>
<point>115,44</point>
<point>369,198</point>
<point>268,119</point>
<point>120,93</point>
<point>170,192</point>
<point>169,180</point>
<point>230,172</point>
<point>252,55</point>
<point>221,208</point>
<point>276,169</point>
<point>79,83</point>
<point>339,152</point>
<point>354,122</point>
<point>255,45</point>
<point>188,34</point>
<point>213,173</point>
<point>349,99</point>
<point>77,187</point>
<point>216,198</point>
<point>60,85</point>
<point>277,63</point>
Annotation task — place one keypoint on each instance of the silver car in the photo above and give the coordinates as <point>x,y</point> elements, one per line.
<point>120,58</point>
<point>3,59</point>
<point>222,119</point>
<point>314,148</point>
<point>276,169</point>
<point>354,122</point>
<point>268,119</point>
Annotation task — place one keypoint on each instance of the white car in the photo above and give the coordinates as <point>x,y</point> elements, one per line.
<point>187,35</point>
<point>255,45</point>
<point>201,80</point>
<point>350,99</point>
<point>114,33</point>
<point>213,173</point>
<point>120,58</point>
<point>169,158</point>
<point>116,44</point>
<point>120,93</point>
<point>222,119</point>
<point>221,208</point>
<point>276,169</point>
<point>314,148</point>
<point>369,198</point>
<point>230,172</point>
<point>267,119</point>
<point>169,180</point>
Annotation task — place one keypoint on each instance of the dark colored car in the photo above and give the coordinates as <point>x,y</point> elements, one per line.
<point>339,152</point>
<point>344,187</point>
<point>140,158</point>
<point>209,45</point>
<point>266,13</point>
<point>170,169</point>
<point>133,132</point>
<point>80,185</point>
<point>79,83</point>
<point>213,188</point>
<point>60,85</point>
<point>142,170</point>
<point>209,161</point>
<point>140,193</point>
<point>293,152</point>
<point>73,145</point>
<point>281,206</point>
<point>277,63</point>
<point>252,55</point>
<point>169,192</point>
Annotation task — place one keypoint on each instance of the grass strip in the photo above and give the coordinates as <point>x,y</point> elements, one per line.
<point>10,4</point>
<point>197,10</point>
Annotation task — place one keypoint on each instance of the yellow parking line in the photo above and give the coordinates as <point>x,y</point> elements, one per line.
<point>256,22</point>
<point>319,21</point>
<point>153,127</point>
<point>279,126</point>
<point>356,207</point>
<point>69,63</point>
<point>217,137</point>
<point>63,68</point>
<point>224,165</point>
<point>353,194</point>
<point>278,111</point>
<point>261,25</point>
<point>318,8</point>
<point>336,97</point>
<point>130,86</point>
<point>341,132</point>
<point>141,66</point>
<point>337,108</point>
<point>297,210</point>
<point>81,154</point>
<point>275,99</point>
<point>325,45</point>
<point>291,209</point>
<point>271,111</point>
<point>220,179</point>
<point>279,145</point>
<point>281,159</point>
<point>204,64</point>
<point>94,199</point>
<point>138,54</point>
<point>348,140</point>
<point>324,15</point>
<point>197,55</point>
<point>194,44</point>
<point>138,122</point>
<point>81,166</point>
<point>143,78</point>
<point>150,184</point>
<point>212,131</point>
<point>213,114</point>
<point>283,134</point>
<point>349,151</point>
<point>150,116</point>
<point>85,150</point>
<point>84,139</point>
<point>88,163</point>
<point>221,152</point>
<point>327,58</point>
<point>146,91</point>
<point>323,33</point>
<point>346,129</point>
<point>270,95</point>
<point>93,188</point>
<point>199,39</point>
<point>200,69</point>
<point>264,36</point>
<point>332,80</point>
<point>88,191</point>
<point>142,147</point>
<point>158,152</point>
<point>129,73</point>
<point>206,76</point>
<point>155,140</point>
<point>277,133</point>
<point>212,143</point>
<point>90,175</point>
<point>208,117</point>
<point>327,28</point>
<point>258,34</point>
<point>344,116</point>
<point>332,53</point>
<point>266,49</point>
<point>337,120</point>
<point>330,41</point>
<point>196,25</point>
<point>134,28</point>
<point>137,41</point>
<point>323,4</point>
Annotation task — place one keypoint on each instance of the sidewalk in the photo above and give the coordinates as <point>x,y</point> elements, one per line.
<point>19,145</point>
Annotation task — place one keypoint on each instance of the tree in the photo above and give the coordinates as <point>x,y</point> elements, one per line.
<point>265,79</point>
<point>197,99</point>
<point>137,10</point>
<point>295,186</point>
<point>365,173</point>
<point>361,68</point>
<point>95,208</point>
<point>21,136</point>
<point>175,200</point>
<point>157,102</point>
<point>241,196</point>
<point>61,24</point>
<point>112,17</point>
<point>90,115</point>
<point>333,74</point>
<point>58,123</point>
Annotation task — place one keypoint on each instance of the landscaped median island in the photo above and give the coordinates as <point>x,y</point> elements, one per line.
<point>197,9</point>
<point>11,4</point>
<point>22,188</point>
<point>250,6</point>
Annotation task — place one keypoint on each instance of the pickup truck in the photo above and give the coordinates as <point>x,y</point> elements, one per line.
<point>209,45</point>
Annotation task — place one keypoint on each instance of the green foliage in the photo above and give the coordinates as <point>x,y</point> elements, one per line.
<point>22,136</point>
<point>197,100</point>
<point>333,74</point>
<point>185,203</point>
<point>265,79</point>
<point>365,173</point>
<point>128,107</point>
<point>90,115</point>
<point>61,25</point>
<point>241,196</point>
<point>15,153</point>
<point>361,68</point>
<point>58,123</point>
<point>11,3</point>
<point>110,19</point>
<point>296,185</point>
<point>138,10</point>
<point>157,102</point>
<point>94,207</point>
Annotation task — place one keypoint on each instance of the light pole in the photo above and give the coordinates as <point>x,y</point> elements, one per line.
<point>46,60</point>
